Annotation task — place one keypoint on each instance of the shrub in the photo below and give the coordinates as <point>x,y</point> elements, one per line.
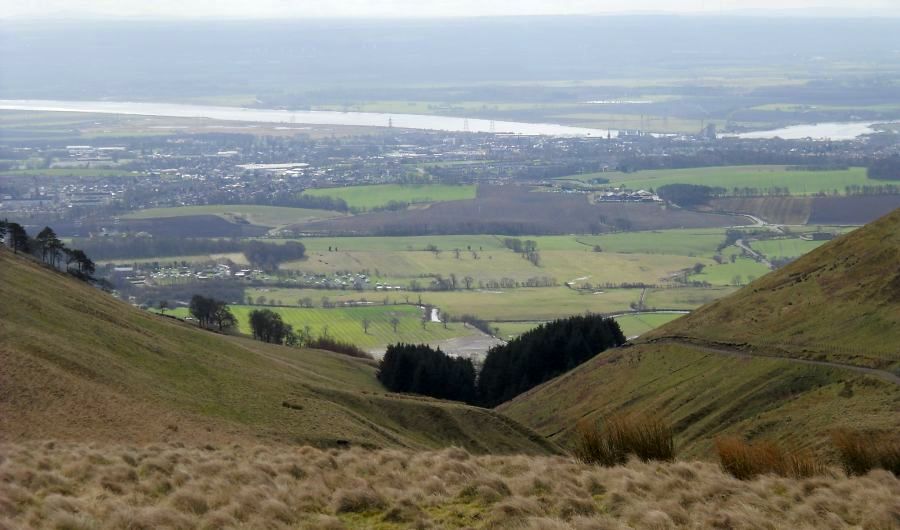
<point>860,452</point>
<point>338,346</point>
<point>744,460</point>
<point>647,437</point>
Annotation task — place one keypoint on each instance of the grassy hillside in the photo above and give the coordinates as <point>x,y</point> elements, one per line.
<point>840,302</point>
<point>79,364</point>
<point>712,372</point>
<point>706,394</point>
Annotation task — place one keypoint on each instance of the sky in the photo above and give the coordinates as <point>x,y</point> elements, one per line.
<point>63,9</point>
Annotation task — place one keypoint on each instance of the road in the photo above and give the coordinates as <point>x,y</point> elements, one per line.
<point>881,374</point>
<point>756,255</point>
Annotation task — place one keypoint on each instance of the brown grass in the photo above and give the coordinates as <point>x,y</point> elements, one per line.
<point>644,436</point>
<point>861,452</point>
<point>744,460</point>
<point>67,485</point>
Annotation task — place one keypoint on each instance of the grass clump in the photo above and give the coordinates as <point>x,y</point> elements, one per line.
<point>387,489</point>
<point>861,452</point>
<point>745,461</point>
<point>609,444</point>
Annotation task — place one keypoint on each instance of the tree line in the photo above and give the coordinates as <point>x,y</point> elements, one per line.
<point>47,247</point>
<point>268,326</point>
<point>510,369</point>
<point>688,195</point>
<point>210,313</point>
<point>543,353</point>
<point>419,369</point>
<point>885,168</point>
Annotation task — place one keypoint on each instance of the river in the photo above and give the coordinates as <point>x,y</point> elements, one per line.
<point>816,131</point>
<point>307,117</point>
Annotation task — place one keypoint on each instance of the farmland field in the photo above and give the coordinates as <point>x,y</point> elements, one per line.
<point>684,298</point>
<point>729,177</point>
<point>345,323</point>
<point>524,304</point>
<point>695,242</point>
<point>785,248</point>
<point>635,325</point>
<point>596,267</point>
<point>741,272</point>
<point>271,216</point>
<point>368,197</point>
<point>632,325</point>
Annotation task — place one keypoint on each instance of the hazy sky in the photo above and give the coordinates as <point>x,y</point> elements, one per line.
<point>418,8</point>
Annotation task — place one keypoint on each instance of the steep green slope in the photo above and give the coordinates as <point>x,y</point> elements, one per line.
<point>78,364</point>
<point>770,360</point>
<point>840,302</point>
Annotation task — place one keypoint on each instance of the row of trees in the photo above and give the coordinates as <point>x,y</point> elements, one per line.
<point>47,247</point>
<point>211,313</point>
<point>542,354</point>
<point>885,168</point>
<point>268,256</point>
<point>419,369</point>
<point>510,369</point>
<point>268,326</point>
<point>688,195</point>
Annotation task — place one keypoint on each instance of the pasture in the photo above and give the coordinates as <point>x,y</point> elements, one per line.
<point>730,177</point>
<point>792,247</point>
<point>523,304</point>
<point>346,323</point>
<point>741,272</point>
<point>638,324</point>
<point>684,297</point>
<point>401,267</point>
<point>632,325</point>
<point>368,197</point>
<point>688,242</point>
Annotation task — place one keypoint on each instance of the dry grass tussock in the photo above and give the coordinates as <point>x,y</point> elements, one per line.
<point>92,486</point>
<point>611,442</point>
<point>746,460</point>
<point>861,452</point>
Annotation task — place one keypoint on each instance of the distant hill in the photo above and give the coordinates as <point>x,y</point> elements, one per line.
<point>806,349</point>
<point>78,364</point>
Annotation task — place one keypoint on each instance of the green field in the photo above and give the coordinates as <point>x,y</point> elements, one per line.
<point>401,267</point>
<point>271,216</point>
<point>785,248</point>
<point>683,242</point>
<point>345,323</point>
<point>632,325</point>
<point>636,325</point>
<point>368,197</point>
<point>741,272</point>
<point>729,177</point>
<point>529,304</point>
<point>684,298</point>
